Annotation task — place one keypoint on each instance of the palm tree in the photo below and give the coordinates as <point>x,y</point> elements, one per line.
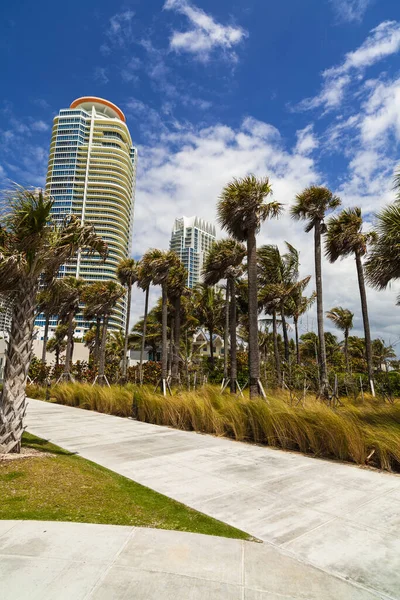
<point>296,306</point>
<point>160,262</point>
<point>224,261</point>
<point>177,279</point>
<point>209,308</point>
<point>57,343</point>
<point>145,276</point>
<point>342,318</point>
<point>48,303</point>
<point>241,211</point>
<point>30,244</point>
<point>127,273</point>
<point>70,291</point>
<point>381,353</point>
<point>312,205</point>
<point>345,237</point>
<point>383,263</point>
<point>101,298</point>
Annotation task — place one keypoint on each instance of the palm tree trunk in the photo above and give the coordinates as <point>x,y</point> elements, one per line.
<point>212,359</point>
<point>177,340</point>
<point>285,334</point>
<point>296,330</point>
<point>233,342</point>
<point>364,309</point>
<point>346,349</point>
<point>13,398</point>
<point>128,314</point>
<point>142,346</point>
<point>320,309</point>
<point>254,358</point>
<point>102,354</point>
<point>164,345</point>
<point>45,338</point>
<point>68,353</point>
<point>97,342</point>
<point>171,345</point>
<point>226,331</point>
<point>277,356</point>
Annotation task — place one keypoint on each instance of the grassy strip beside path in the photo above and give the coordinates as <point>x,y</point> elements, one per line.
<point>60,486</point>
<point>363,433</point>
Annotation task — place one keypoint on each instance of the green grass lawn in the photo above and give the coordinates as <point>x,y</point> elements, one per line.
<point>61,486</point>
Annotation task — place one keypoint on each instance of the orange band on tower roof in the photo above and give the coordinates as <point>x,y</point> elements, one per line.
<point>94,99</point>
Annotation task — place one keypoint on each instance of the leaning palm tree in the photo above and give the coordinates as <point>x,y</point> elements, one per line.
<point>312,205</point>
<point>160,264</point>
<point>224,261</point>
<point>345,237</point>
<point>101,298</point>
<point>383,263</point>
<point>127,273</point>
<point>342,318</point>
<point>241,211</point>
<point>30,244</point>
<point>209,307</point>
<point>70,292</point>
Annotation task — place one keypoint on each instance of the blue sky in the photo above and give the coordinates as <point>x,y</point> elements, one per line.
<point>307,92</point>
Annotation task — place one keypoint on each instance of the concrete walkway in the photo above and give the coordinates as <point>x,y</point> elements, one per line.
<point>339,518</point>
<point>77,561</point>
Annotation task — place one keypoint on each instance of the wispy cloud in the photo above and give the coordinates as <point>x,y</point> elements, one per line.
<point>40,126</point>
<point>350,10</point>
<point>100,75</point>
<point>119,31</point>
<point>205,34</point>
<point>383,41</point>
<point>306,140</point>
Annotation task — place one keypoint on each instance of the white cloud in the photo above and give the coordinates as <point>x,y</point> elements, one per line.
<point>382,112</point>
<point>306,140</point>
<point>100,75</point>
<point>40,126</point>
<point>119,31</point>
<point>350,10</point>
<point>382,42</point>
<point>205,34</point>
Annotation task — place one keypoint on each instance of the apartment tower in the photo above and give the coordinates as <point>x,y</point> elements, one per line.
<point>92,174</point>
<point>191,240</point>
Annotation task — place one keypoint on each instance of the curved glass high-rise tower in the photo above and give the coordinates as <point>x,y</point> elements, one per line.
<point>92,173</point>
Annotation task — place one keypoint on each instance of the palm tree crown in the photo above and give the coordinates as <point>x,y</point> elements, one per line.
<point>345,236</point>
<point>383,263</point>
<point>222,260</point>
<point>342,318</point>
<point>312,205</point>
<point>241,206</point>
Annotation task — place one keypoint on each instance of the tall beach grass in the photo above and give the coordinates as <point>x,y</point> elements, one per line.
<point>364,434</point>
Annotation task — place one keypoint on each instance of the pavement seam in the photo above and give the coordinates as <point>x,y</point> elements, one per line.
<point>110,565</point>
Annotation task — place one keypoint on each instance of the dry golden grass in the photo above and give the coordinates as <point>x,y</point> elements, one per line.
<point>366,433</point>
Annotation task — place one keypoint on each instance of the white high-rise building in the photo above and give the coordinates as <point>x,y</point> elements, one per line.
<point>191,239</point>
<point>92,174</point>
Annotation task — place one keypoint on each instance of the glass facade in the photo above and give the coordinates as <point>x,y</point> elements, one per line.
<point>191,239</point>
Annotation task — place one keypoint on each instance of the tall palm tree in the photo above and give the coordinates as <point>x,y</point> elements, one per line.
<point>297,305</point>
<point>160,264</point>
<point>342,318</point>
<point>224,261</point>
<point>383,262</point>
<point>145,278</point>
<point>345,237</point>
<point>101,298</point>
<point>127,273</point>
<point>177,279</point>
<point>30,244</point>
<point>312,206</point>
<point>241,211</point>
<point>70,295</point>
<point>57,343</point>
